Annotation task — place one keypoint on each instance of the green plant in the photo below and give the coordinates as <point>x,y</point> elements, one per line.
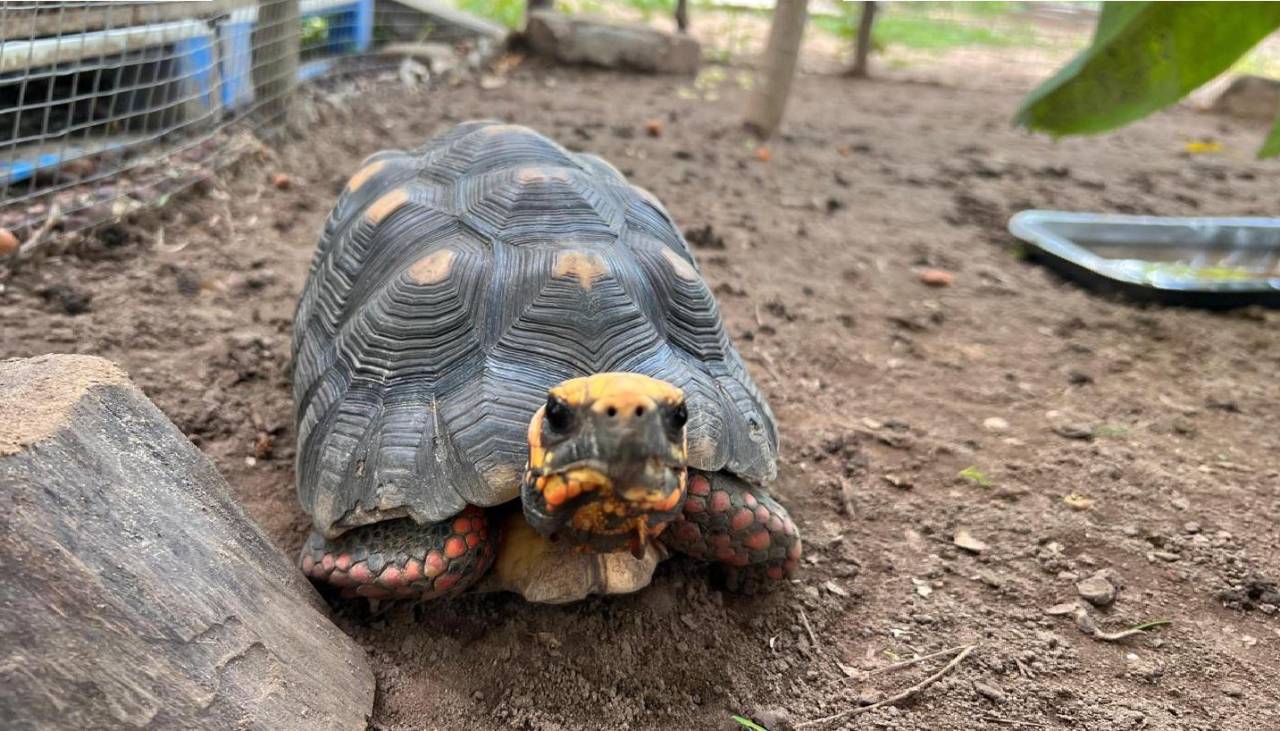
<point>976,476</point>
<point>749,724</point>
<point>1145,56</point>
<point>507,12</point>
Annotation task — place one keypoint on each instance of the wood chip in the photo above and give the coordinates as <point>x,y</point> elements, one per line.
<point>964,539</point>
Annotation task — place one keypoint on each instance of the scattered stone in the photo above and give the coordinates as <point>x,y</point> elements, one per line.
<point>8,242</point>
<point>1097,590</point>
<point>1073,430</point>
<point>995,424</point>
<point>281,181</point>
<point>869,697</point>
<point>899,482</point>
<point>990,692</point>
<point>1166,555</point>
<point>1232,690</point>
<point>923,588</point>
<point>1078,378</point>
<point>66,298</point>
<point>1062,610</point>
<point>1078,502</point>
<point>1191,527</point>
<point>835,588</point>
<point>937,278</point>
<point>964,539</point>
<point>653,127</point>
<point>763,154</point>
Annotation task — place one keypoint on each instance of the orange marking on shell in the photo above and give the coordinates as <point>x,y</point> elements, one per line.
<point>362,176</point>
<point>433,268</point>
<point>386,205</point>
<point>581,265</point>
<point>434,565</point>
<point>455,547</point>
<point>535,442</point>
<point>682,268</point>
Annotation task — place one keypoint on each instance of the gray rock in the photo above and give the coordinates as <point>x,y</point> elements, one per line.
<point>1250,97</point>
<point>990,692</point>
<point>1232,690</point>
<point>1097,589</point>
<point>584,40</point>
<point>136,591</point>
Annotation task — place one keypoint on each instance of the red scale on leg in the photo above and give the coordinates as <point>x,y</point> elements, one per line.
<point>719,501</point>
<point>454,547</point>
<point>699,486</point>
<point>695,505</point>
<point>360,573</point>
<point>741,519</point>
<point>391,576</point>
<point>688,533</point>
<point>343,561</point>
<point>762,515</point>
<point>758,541</point>
<point>412,571</point>
<point>308,564</point>
<point>473,540</point>
<point>749,499</point>
<point>434,565</point>
<point>446,582</point>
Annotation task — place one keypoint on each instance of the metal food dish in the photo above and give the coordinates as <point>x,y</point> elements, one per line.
<point>1204,262</point>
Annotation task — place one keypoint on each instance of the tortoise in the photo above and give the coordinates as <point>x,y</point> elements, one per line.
<point>505,356</point>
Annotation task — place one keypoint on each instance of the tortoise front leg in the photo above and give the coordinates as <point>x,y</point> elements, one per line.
<point>400,558</point>
<point>748,535</point>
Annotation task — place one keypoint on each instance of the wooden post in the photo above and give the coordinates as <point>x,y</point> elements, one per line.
<point>862,50</point>
<point>682,15</point>
<point>769,100</point>
<point>275,60</point>
<point>532,5</point>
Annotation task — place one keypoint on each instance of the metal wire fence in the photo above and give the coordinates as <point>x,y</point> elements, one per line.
<point>106,107</point>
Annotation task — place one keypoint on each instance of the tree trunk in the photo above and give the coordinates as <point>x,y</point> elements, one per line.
<point>682,15</point>
<point>769,100</point>
<point>862,50</point>
<point>275,60</point>
<point>532,5</point>
<point>136,593</point>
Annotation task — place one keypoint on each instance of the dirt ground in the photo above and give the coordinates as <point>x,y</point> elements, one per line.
<point>1096,435</point>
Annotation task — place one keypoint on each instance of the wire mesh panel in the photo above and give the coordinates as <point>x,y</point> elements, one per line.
<point>108,106</point>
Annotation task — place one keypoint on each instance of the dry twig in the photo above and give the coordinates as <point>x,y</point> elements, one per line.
<point>904,695</point>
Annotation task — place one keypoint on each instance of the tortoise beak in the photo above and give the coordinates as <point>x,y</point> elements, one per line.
<point>607,470</point>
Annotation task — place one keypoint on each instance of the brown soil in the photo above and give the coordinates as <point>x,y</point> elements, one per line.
<point>1164,423</point>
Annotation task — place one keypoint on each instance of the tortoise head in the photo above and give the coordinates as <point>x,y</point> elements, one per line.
<point>607,461</point>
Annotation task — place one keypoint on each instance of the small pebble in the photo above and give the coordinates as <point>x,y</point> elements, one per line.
<point>990,692</point>
<point>1097,590</point>
<point>1232,690</point>
<point>937,278</point>
<point>996,424</point>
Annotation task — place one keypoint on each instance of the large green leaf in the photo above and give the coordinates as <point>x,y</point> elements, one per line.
<point>1144,57</point>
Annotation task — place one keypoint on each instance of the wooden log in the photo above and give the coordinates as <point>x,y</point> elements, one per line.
<point>584,40</point>
<point>768,101</point>
<point>136,593</point>
<point>276,39</point>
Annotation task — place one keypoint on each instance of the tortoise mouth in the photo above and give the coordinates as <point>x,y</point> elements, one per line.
<point>619,507</point>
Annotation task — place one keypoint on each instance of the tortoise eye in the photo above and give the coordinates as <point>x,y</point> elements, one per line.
<point>678,417</point>
<point>558,415</point>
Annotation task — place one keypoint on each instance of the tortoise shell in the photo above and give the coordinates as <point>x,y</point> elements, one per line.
<point>454,285</point>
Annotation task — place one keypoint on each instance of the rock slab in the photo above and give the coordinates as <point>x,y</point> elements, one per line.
<point>136,593</point>
<point>584,40</point>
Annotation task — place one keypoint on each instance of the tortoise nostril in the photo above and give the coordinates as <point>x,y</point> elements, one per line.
<point>612,411</point>
<point>639,411</point>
